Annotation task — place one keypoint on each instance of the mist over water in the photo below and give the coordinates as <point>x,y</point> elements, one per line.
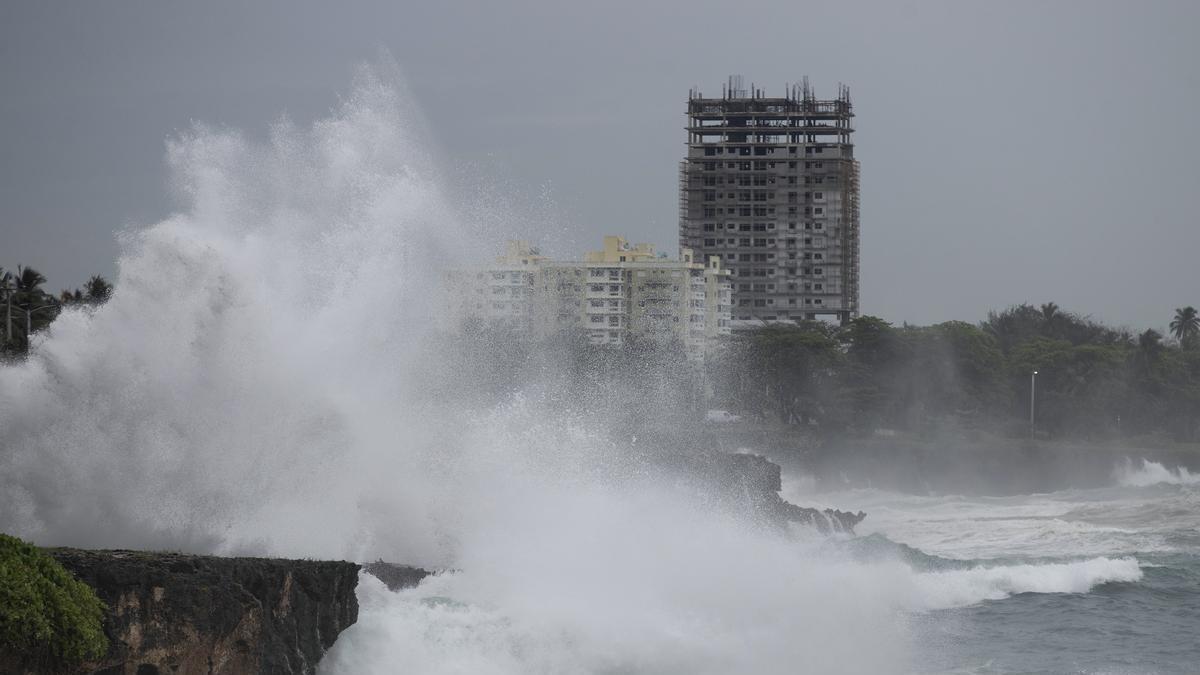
<point>269,378</point>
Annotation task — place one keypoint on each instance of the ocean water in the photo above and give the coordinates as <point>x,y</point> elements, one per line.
<point>1078,581</point>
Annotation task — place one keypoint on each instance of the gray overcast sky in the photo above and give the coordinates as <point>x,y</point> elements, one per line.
<point>1011,151</point>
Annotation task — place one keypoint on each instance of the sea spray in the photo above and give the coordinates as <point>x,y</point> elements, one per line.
<point>1152,473</point>
<point>269,378</point>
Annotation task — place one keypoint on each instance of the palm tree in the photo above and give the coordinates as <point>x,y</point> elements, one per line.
<point>29,280</point>
<point>32,300</point>
<point>1186,325</point>
<point>98,290</point>
<point>1049,312</point>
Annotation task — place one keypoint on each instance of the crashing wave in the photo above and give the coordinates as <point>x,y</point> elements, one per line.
<point>1153,473</point>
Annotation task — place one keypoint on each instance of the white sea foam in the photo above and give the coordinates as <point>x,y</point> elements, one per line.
<point>1152,473</point>
<point>956,588</point>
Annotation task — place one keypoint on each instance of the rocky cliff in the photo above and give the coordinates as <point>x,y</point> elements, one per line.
<point>187,614</point>
<point>749,484</point>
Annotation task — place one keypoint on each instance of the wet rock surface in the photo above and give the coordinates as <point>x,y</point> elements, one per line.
<point>188,614</point>
<point>395,577</point>
<point>749,484</point>
<point>757,480</point>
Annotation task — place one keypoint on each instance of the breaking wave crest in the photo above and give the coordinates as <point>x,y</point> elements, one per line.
<point>957,588</point>
<point>1153,473</point>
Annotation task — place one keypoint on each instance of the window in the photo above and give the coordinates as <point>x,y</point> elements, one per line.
<point>710,242</point>
<point>709,227</point>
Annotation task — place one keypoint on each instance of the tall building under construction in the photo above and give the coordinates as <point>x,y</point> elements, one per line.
<point>771,186</point>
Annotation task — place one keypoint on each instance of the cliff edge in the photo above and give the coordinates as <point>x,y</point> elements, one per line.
<point>193,615</point>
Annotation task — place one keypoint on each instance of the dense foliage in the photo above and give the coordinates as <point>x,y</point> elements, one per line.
<point>26,307</point>
<point>48,618</point>
<point>1092,380</point>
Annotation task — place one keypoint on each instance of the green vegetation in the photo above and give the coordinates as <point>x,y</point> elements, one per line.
<point>1093,381</point>
<point>47,617</point>
<point>26,308</point>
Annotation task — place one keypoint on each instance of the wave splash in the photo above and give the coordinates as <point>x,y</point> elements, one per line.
<point>1153,473</point>
<point>267,379</point>
<point>958,588</point>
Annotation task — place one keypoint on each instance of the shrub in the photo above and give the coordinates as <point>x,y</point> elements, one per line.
<point>47,616</point>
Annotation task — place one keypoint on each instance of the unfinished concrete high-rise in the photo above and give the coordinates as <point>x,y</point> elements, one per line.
<point>771,186</point>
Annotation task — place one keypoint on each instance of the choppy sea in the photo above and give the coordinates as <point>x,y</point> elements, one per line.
<point>1079,581</point>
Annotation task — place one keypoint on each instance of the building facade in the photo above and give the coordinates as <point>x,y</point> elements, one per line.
<point>616,295</point>
<point>770,187</point>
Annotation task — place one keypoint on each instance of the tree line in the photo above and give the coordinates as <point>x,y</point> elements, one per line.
<point>26,307</point>
<point>1091,380</point>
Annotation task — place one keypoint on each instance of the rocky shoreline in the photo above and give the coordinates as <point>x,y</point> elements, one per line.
<point>193,614</point>
<point>205,615</point>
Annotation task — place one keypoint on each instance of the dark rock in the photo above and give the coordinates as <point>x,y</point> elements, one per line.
<point>185,614</point>
<point>750,483</point>
<point>396,577</point>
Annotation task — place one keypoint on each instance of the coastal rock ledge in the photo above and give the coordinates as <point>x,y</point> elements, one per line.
<point>204,615</point>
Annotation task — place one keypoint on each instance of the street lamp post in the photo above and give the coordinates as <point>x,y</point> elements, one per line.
<point>29,319</point>
<point>1032,398</point>
<point>9,288</point>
